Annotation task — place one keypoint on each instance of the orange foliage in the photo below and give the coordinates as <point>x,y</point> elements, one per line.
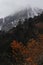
<point>20,47</point>
<point>30,52</point>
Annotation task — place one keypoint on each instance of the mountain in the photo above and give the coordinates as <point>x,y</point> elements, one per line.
<point>23,44</point>
<point>12,20</point>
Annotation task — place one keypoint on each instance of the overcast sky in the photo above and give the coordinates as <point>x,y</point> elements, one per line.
<point>11,6</point>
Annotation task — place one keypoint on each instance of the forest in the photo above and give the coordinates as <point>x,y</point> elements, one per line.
<point>21,45</point>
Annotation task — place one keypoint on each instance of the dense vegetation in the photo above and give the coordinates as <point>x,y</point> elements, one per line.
<point>23,32</point>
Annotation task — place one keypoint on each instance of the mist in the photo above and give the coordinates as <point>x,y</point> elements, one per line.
<point>8,7</point>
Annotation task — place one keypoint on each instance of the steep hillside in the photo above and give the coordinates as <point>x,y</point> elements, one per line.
<point>23,44</point>
<point>12,20</point>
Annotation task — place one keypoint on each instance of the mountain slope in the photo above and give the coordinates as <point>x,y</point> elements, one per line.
<point>23,44</point>
<point>12,20</point>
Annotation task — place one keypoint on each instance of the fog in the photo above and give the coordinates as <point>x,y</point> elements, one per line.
<point>8,7</point>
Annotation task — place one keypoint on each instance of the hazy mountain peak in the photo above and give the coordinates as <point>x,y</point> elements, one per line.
<point>12,20</point>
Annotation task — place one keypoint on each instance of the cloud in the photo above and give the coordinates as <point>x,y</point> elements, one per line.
<point>11,6</point>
